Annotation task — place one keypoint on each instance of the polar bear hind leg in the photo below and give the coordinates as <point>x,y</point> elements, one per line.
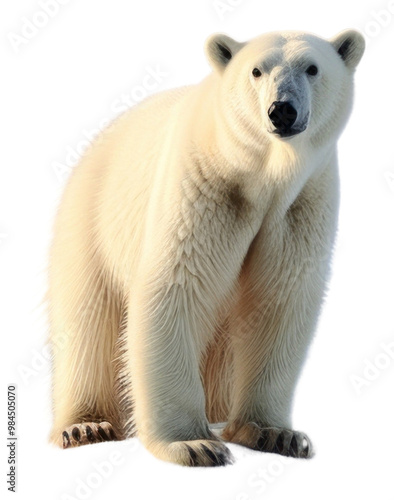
<point>85,316</point>
<point>84,388</point>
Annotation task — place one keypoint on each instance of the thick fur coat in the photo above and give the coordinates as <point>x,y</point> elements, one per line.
<point>191,254</point>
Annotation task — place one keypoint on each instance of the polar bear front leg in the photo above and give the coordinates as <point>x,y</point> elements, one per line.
<point>167,391</point>
<point>181,287</point>
<point>284,279</point>
<point>169,401</point>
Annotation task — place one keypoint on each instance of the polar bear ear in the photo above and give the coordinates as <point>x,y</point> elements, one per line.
<point>220,49</point>
<point>350,45</point>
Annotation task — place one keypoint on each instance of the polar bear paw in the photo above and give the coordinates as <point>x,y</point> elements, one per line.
<point>87,433</point>
<point>282,441</point>
<point>285,442</point>
<point>199,453</point>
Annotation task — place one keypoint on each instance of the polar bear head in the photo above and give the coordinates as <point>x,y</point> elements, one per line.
<point>288,86</point>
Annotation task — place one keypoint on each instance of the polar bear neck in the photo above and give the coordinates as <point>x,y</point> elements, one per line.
<point>216,150</point>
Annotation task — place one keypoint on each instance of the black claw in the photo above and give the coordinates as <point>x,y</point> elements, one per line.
<point>89,434</point>
<point>112,434</point>
<point>76,434</point>
<point>279,445</point>
<point>66,439</point>
<point>102,433</point>
<point>210,454</point>
<point>193,455</point>
<point>262,442</point>
<point>222,458</point>
<point>293,451</point>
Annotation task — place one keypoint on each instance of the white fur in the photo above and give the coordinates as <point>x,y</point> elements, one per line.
<point>210,239</point>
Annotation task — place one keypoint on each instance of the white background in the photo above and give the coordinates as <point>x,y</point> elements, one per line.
<point>59,86</point>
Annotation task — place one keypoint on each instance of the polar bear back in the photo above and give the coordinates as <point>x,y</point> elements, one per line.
<point>117,177</point>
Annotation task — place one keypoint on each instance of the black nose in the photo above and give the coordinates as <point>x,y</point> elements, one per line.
<point>282,115</point>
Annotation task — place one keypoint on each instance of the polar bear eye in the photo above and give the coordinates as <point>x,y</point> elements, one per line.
<point>312,70</point>
<point>256,72</point>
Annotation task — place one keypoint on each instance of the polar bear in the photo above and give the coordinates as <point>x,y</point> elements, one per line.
<point>191,253</point>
